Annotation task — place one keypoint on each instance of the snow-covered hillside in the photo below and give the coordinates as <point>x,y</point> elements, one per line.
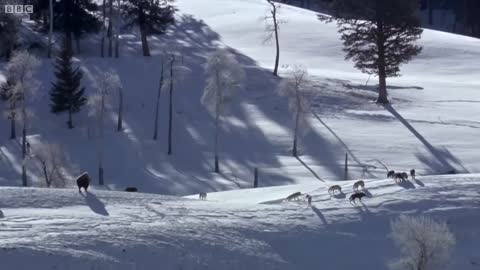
<point>431,126</point>
<point>62,229</point>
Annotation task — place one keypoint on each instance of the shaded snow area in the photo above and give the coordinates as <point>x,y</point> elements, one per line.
<point>431,125</point>
<point>62,229</point>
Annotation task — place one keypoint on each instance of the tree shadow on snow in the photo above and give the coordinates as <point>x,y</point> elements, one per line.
<point>320,215</point>
<point>440,159</point>
<point>95,204</point>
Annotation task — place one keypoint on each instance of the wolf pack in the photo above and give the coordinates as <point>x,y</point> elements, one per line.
<point>358,187</point>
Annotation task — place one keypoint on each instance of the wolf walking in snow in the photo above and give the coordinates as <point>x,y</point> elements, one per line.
<point>390,174</point>
<point>403,176</point>
<point>83,181</point>
<point>202,196</point>
<point>358,184</point>
<point>334,188</point>
<point>309,199</point>
<point>294,196</point>
<point>412,173</point>
<point>358,196</point>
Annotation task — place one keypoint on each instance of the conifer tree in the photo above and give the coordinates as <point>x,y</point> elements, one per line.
<point>66,94</point>
<point>378,35</point>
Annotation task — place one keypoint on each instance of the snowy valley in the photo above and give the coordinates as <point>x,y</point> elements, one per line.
<point>432,125</point>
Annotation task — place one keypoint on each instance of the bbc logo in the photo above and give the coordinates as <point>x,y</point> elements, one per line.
<point>18,8</point>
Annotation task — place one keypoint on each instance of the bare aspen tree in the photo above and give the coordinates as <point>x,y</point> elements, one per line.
<point>99,104</point>
<point>117,31</point>
<point>272,26</point>
<point>159,93</point>
<point>224,77</point>
<point>294,88</point>
<point>20,69</point>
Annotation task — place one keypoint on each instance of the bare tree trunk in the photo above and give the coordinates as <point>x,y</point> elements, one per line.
<point>50,29</point>
<point>24,143</point>
<point>77,44</point>
<point>45,174</point>
<point>100,146</point>
<point>277,42</point>
<point>102,41</point>
<point>170,107</point>
<point>120,110</point>
<point>117,31</point>
<point>217,122</point>
<point>110,28</point>
<point>382,75</point>
<point>13,133</point>
<point>157,106</point>
<point>295,135</point>
<point>145,48</point>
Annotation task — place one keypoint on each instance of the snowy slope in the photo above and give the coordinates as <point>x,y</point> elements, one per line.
<point>62,229</point>
<point>432,125</point>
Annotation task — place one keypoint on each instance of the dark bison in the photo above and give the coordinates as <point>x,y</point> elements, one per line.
<point>83,181</point>
<point>131,189</point>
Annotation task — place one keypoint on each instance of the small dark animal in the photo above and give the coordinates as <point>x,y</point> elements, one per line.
<point>358,196</point>
<point>412,173</point>
<point>390,174</point>
<point>83,181</point>
<point>131,189</point>
<point>202,196</point>
<point>405,175</point>
<point>399,176</point>
<point>294,196</point>
<point>309,199</point>
<point>358,184</point>
<point>334,188</point>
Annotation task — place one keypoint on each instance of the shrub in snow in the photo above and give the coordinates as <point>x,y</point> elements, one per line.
<point>423,243</point>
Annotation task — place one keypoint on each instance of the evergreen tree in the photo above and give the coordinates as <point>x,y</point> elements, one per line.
<point>66,94</point>
<point>378,35</point>
<point>12,98</point>
<point>151,16</point>
<point>75,18</point>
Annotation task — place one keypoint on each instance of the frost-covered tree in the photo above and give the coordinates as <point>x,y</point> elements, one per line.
<point>294,87</point>
<point>424,243</point>
<point>52,162</point>
<point>272,25</point>
<point>378,36</point>
<point>151,16</point>
<point>12,99</point>
<point>99,103</point>
<point>67,95</point>
<point>20,70</point>
<point>224,77</point>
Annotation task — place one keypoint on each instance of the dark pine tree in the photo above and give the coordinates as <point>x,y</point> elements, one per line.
<point>151,16</point>
<point>66,94</point>
<point>12,99</point>
<point>378,35</point>
<point>75,18</point>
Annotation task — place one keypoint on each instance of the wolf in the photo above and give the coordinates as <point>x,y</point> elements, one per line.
<point>202,196</point>
<point>358,184</point>
<point>355,196</point>
<point>294,196</point>
<point>334,188</point>
<point>402,176</point>
<point>390,174</point>
<point>131,189</point>
<point>412,173</point>
<point>83,181</point>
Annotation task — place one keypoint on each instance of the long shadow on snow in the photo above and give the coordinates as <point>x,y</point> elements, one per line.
<point>440,159</point>
<point>95,204</point>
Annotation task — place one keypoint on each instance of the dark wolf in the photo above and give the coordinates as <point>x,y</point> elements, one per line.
<point>412,173</point>
<point>358,196</point>
<point>390,174</point>
<point>83,181</point>
<point>131,189</point>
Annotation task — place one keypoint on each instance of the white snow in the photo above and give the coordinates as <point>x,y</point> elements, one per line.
<point>432,126</point>
<point>62,229</point>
